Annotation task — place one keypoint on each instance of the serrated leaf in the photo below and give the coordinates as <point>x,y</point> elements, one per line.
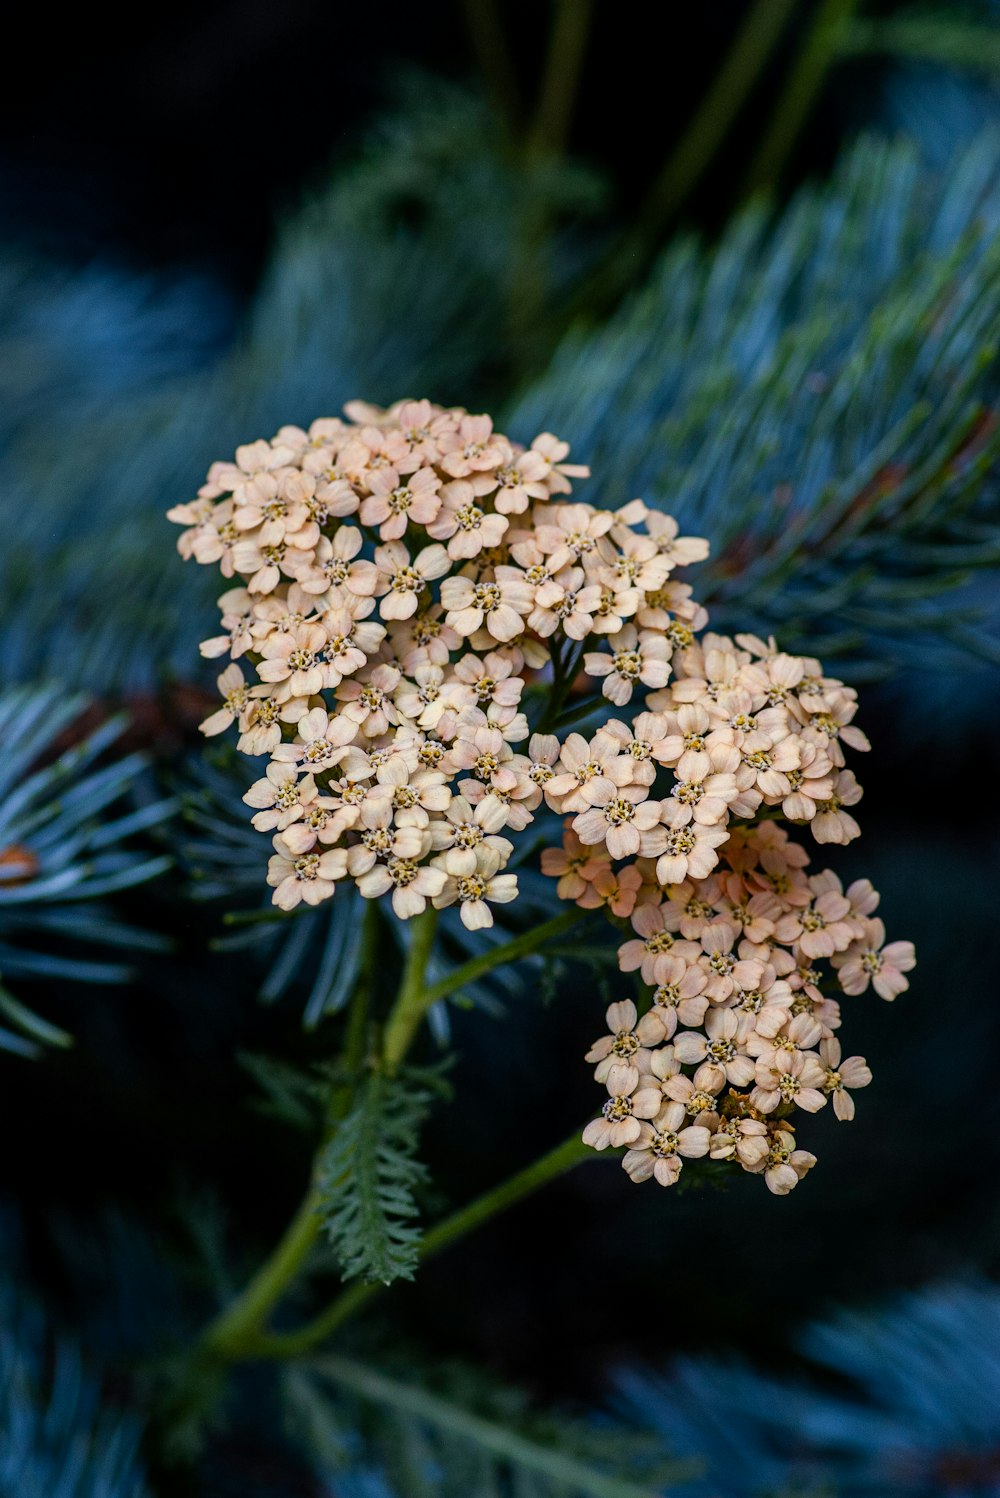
<point>368,1174</point>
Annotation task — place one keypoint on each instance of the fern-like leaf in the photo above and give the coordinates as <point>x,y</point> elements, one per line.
<point>368,1175</point>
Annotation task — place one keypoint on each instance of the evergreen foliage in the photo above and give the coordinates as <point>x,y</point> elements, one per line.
<point>903,1399</point>
<point>60,1437</point>
<point>817,394</point>
<point>459,1433</point>
<point>67,821</point>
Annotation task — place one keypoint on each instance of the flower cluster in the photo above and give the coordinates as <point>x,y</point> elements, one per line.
<point>417,615</point>
<point>404,576</point>
<point>740,1031</point>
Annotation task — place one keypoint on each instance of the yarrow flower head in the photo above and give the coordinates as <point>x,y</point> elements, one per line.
<point>417,614</point>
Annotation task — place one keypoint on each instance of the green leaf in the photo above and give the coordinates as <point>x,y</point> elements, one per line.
<point>368,1174</point>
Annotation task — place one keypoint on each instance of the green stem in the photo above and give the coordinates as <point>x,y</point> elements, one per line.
<point>550,1166</point>
<point>743,65</point>
<point>519,946</point>
<point>236,1333</point>
<point>484,23</point>
<point>689,159</point>
<point>237,1327</point>
<point>412,1003</point>
<point>560,85</point>
<point>799,93</point>
<point>233,1333</point>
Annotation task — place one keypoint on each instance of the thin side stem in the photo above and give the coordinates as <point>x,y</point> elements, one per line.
<point>743,65</point>
<point>238,1325</point>
<point>412,1003</point>
<point>484,24</point>
<point>549,1167</point>
<point>561,82</point>
<point>519,946</point>
<point>234,1332</point>
<point>799,94</point>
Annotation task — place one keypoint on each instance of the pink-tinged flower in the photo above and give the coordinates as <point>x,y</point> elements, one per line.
<point>784,1166</point>
<point>760,997</point>
<point>393,503</point>
<point>640,741</point>
<point>412,885</point>
<point>570,535</point>
<point>471,447</point>
<point>261,722</point>
<point>501,606</point>
<point>618,818</point>
<point>236,698</point>
<point>679,551</point>
<point>629,1101</point>
<point>565,602</point>
<point>520,478</point>
<point>466,527</point>
<point>281,796</point>
<point>663,1145</point>
<point>685,729</point>
<point>630,1041</point>
<point>704,786</point>
<point>633,565</point>
<point>841,1075</point>
<point>465,827</point>
<point>617,889</point>
<point>557,473</point>
<point>424,638</point>
<point>679,995</point>
<point>655,927</point>
<point>635,659</point>
<point>793,1077</point>
<point>570,865</point>
<point>310,877</point>
<point>742,1139</point>
<point>350,643</point>
<point>699,1094</point>
<point>401,580</point>
<point>236,607</point>
<point>718,1048</point>
<point>832,824</point>
<point>473,891</point>
<point>809,783</point>
<point>381,840</point>
<point>335,566</point>
<point>587,771</point>
<point>688,852</point>
<point>366,700</point>
<point>320,740</point>
<point>832,726</point>
<point>492,680</point>
<point>292,660</point>
<point>825,926</point>
<point>869,960</point>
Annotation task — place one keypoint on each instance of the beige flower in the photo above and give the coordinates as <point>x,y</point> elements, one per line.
<point>629,1040</point>
<point>869,960</point>
<point>475,891</point>
<point>236,698</point>
<point>628,1103</point>
<point>635,659</point>
<point>310,877</point>
<point>402,580</point>
<point>841,1075</point>
<point>663,1145</point>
